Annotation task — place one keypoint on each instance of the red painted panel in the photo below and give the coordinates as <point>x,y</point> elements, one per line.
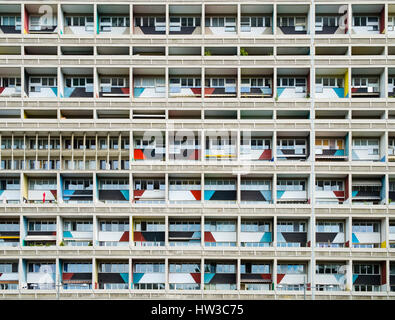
<point>346,189</point>
<point>383,273</point>
<point>138,193</point>
<point>54,193</point>
<point>208,237</point>
<point>266,155</point>
<point>125,90</point>
<point>138,154</point>
<point>125,237</point>
<point>339,194</point>
<point>26,22</point>
<point>194,155</point>
<point>1,89</point>
<point>197,194</point>
<point>266,276</point>
<point>280,277</point>
<point>196,277</point>
<point>208,91</point>
<point>382,20</point>
<point>138,236</point>
<point>196,91</point>
<point>67,275</point>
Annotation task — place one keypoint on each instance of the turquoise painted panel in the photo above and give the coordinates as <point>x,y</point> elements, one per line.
<point>208,194</point>
<point>280,91</point>
<point>125,277</point>
<point>354,238</point>
<point>339,153</point>
<point>354,277</point>
<point>125,193</point>
<point>68,92</point>
<point>137,277</point>
<point>280,193</point>
<point>339,92</point>
<point>267,237</point>
<point>267,194</point>
<point>137,92</point>
<point>208,277</point>
<point>354,193</point>
<point>67,234</point>
<point>55,91</point>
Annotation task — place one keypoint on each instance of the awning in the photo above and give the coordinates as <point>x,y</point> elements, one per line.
<point>366,183</point>
<point>256,280</point>
<point>77,281</point>
<point>40,238</point>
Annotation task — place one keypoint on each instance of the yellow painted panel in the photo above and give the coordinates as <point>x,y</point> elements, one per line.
<point>383,244</point>
<point>318,142</point>
<point>346,87</point>
<point>325,142</point>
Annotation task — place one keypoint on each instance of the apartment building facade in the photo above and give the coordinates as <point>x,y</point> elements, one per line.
<point>215,150</point>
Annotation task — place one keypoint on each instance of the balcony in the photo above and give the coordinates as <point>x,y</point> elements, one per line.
<point>331,190</point>
<point>220,190</point>
<point>40,233</point>
<point>292,148</point>
<point>77,189</point>
<point>367,234</point>
<point>256,83</point>
<point>220,20</point>
<point>77,20</point>
<point>9,233</point>
<point>185,83</point>
<point>149,233</point>
<point>368,276</point>
<point>77,233</point>
<point>114,82</point>
<point>291,277</point>
<point>391,82</point>
<point>184,276</point>
<point>368,19</point>
<point>9,277</point>
<point>256,146</point>
<point>330,19</point>
<point>293,19</point>
<point>149,83</point>
<point>185,20</point>
<point>78,83</point>
<point>223,86</point>
<point>184,233</point>
<point>113,20</point>
<point>331,148</point>
<point>256,20</point>
<point>368,190</point>
<point>10,82</point>
<point>330,234</point>
<point>113,233</point>
<point>149,146</point>
<point>184,146</point>
<point>292,233</point>
<point>256,233</point>
<point>149,275</point>
<point>42,82</point>
<point>256,190</point>
<point>113,275</point>
<point>331,83</point>
<point>149,20</point>
<point>367,83</point>
<point>42,190</point>
<point>185,190</point>
<point>220,146</point>
<point>391,20</point>
<point>77,275</point>
<point>293,83</point>
<point>113,190</point>
<point>367,148</point>
<point>40,275</point>
<point>37,23</point>
<point>10,189</point>
<point>330,277</point>
<point>10,19</point>
<point>148,190</point>
<point>220,276</point>
<point>255,276</point>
